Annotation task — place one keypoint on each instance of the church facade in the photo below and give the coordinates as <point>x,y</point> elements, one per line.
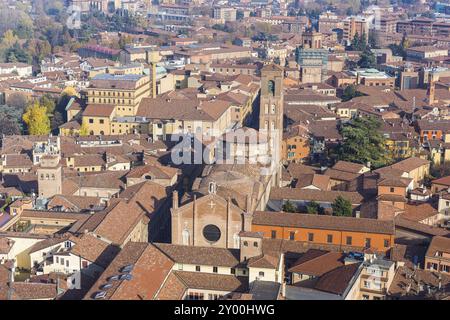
<point>209,221</point>
<point>223,204</point>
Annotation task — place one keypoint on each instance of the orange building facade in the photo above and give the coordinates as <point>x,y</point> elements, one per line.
<point>326,230</point>
<point>295,148</point>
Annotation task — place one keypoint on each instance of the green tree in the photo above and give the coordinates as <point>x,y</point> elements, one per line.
<point>373,40</point>
<point>400,49</point>
<point>8,39</point>
<point>36,119</point>
<point>8,125</point>
<point>362,142</point>
<point>363,42</point>
<point>359,42</point>
<point>342,207</point>
<point>313,208</point>
<point>289,207</point>
<point>56,120</point>
<point>368,59</point>
<point>49,103</point>
<point>350,92</point>
<point>17,54</point>
<point>355,42</point>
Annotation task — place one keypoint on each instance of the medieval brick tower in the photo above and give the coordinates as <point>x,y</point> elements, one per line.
<point>271,113</point>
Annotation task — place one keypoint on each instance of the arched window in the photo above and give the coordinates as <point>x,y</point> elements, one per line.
<point>212,187</point>
<point>185,235</point>
<point>236,241</point>
<point>271,87</point>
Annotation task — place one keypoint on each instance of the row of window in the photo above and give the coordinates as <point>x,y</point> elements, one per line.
<point>215,269</point>
<point>348,239</point>
<point>109,100</point>
<point>108,93</point>
<point>442,267</point>
<point>62,261</point>
<point>428,132</point>
<point>47,176</point>
<point>101,121</point>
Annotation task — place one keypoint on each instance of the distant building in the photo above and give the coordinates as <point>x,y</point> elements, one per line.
<point>96,51</point>
<point>328,22</point>
<point>313,63</point>
<point>21,69</point>
<point>426,52</point>
<point>224,14</point>
<point>424,26</point>
<point>353,26</point>
<point>373,77</point>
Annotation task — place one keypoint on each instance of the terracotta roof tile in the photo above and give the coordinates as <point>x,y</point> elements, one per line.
<point>33,291</point>
<point>438,244</point>
<point>336,281</point>
<point>209,256</point>
<point>317,262</point>
<point>323,222</point>
<point>316,195</point>
<point>150,268</point>
<point>211,281</point>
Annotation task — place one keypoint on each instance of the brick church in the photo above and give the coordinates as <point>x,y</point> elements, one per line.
<point>222,205</point>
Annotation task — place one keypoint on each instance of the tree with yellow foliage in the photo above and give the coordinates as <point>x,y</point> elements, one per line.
<point>69,91</point>
<point>8,39</point>
<point>36,119</point>
<point>84,130</point>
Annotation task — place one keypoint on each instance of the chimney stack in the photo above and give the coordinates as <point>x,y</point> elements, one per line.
<point>175,199</point>
<point>248,205</point>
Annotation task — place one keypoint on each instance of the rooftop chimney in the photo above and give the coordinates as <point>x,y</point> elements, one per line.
<point>175,200</point>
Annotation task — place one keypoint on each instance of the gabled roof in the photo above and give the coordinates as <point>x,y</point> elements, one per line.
<point>265,261</point>
<point>348,166</point>
<point>410,164</point>
<point>91,248</point>
<point>337,280</point>
<point>157,171</point>
<point>443,181</point>
<point>211,281</point>
<point>149,270</point>
<point>208,256</point>
<point>317,262</point>
<point>438,244</point>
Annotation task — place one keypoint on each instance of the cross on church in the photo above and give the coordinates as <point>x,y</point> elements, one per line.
<point>212,204</point>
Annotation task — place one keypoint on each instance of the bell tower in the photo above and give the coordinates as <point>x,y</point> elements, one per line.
<point>271,111</point>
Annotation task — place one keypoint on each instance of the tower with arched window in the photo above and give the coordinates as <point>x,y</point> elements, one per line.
<point>271,110</point>
<point>49,176</point>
